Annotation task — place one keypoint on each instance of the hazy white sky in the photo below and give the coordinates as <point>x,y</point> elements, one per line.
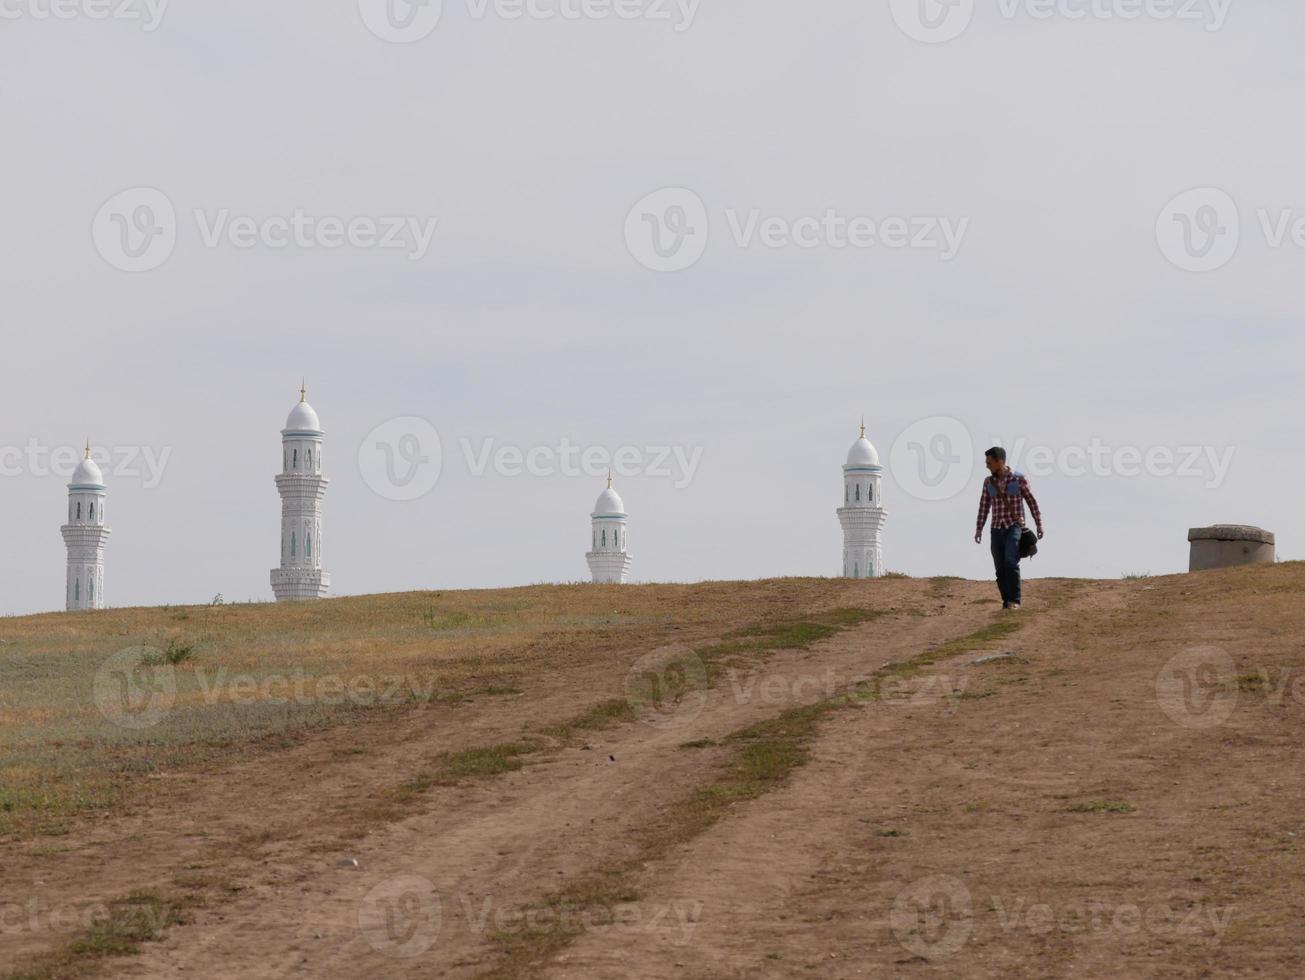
<point>1051,137</point>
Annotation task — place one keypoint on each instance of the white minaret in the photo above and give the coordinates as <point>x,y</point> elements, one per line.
<point>84,535</point>
<point>862,514</point>
<point>610,560</point>
<point>301,486</point>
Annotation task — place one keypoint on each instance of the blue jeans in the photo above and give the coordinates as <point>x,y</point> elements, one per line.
<point>1006,560</point>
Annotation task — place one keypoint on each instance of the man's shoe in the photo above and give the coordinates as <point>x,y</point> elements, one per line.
<point>1005,605</point>
<point>1013,605</point>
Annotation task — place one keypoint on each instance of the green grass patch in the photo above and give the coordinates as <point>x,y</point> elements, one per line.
<point>489,760</point>
<point>452,768</point>
<point>1251,683</point>
<point>497,690</point>
<point>797,635</point>
<point>991,633</point>
<point>550,924</point>
<point>1102,806</point>
<point>699,743</point>
<point>605,715</point>
<point>902,669</point>
<point>120,929</point>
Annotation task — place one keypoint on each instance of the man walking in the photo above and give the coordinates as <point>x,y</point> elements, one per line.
<point>1004,493</point>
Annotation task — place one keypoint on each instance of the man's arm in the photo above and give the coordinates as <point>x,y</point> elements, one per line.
<point>1027,494</point>
<point>984,504</point>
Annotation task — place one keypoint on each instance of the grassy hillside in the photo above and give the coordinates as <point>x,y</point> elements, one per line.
<point>762,779</point>
<point>229,679</point>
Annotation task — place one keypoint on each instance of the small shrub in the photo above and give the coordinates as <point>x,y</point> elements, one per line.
<point>176,651</point>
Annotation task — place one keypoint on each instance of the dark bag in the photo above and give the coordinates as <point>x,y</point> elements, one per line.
<point>1028,544</point>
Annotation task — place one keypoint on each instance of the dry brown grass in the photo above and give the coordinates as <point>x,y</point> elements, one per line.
<point>724,624</point>
<point>259,676</point>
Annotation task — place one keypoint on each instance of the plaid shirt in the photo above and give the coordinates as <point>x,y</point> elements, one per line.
<point>1007,508</point>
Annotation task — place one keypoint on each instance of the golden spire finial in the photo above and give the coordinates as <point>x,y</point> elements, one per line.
<point>609,479</point>
<point>88,449</point>
<point>303,390</point>
<point>862,426</point>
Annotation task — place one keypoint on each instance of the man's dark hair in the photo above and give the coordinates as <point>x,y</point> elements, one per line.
<point>997,453</point>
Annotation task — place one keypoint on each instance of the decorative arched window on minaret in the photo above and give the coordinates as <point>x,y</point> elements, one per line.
<point>85,538</point>
<point>302,488</point>
<point>861,516</point>
<point>609,562</point>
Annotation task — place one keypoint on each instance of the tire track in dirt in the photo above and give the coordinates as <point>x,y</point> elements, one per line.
<point>297,805</point>
<point>945,844</point>
<point>494,846</point>
<point>762,879</point>
<point>229,821</point>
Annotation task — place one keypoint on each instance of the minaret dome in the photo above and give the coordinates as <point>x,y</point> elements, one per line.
<point>609,560</point>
